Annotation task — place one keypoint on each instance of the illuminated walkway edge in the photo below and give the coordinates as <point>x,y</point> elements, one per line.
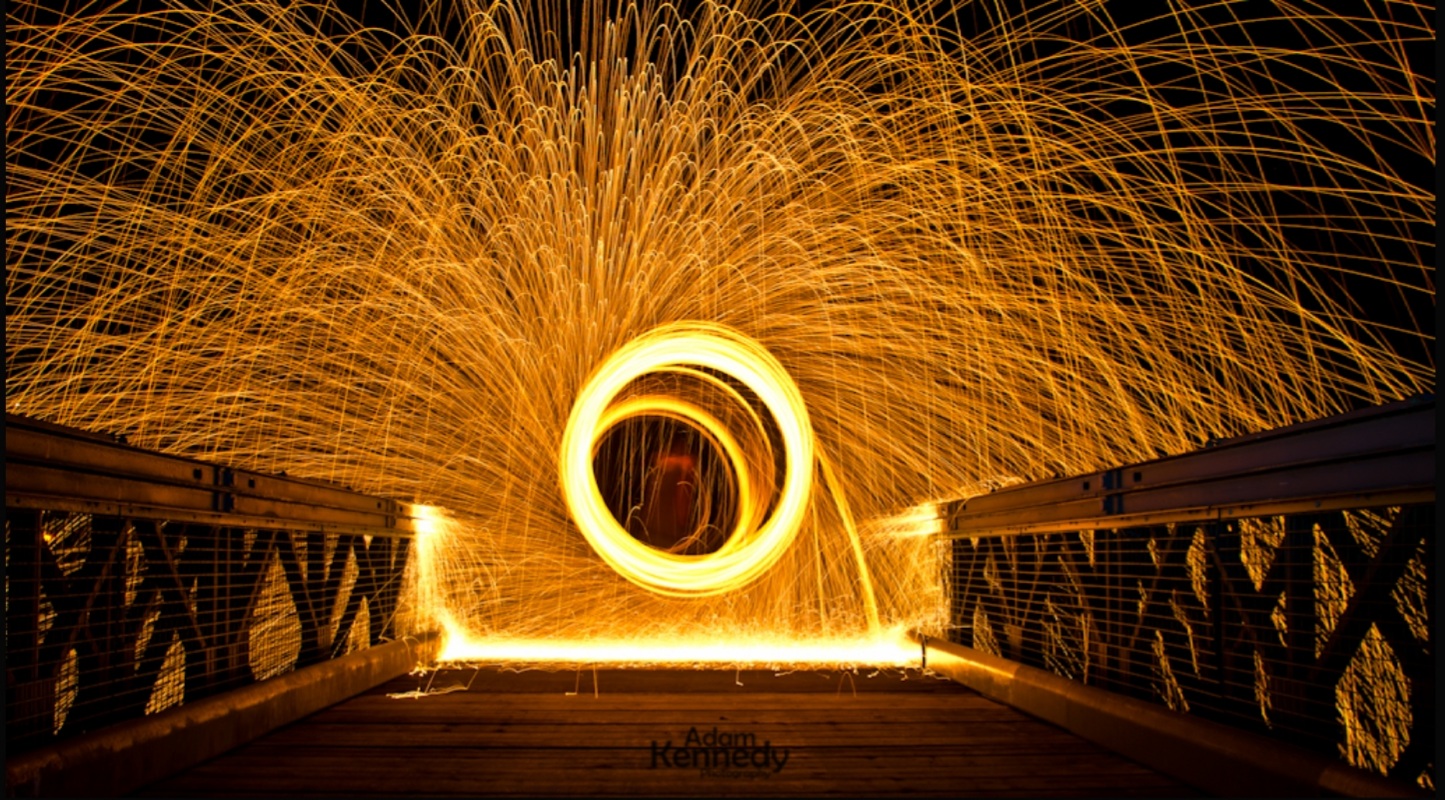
<point>890,648</point>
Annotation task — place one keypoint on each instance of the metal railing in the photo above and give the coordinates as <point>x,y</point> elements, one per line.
<point>1282,583</point>
<point>136,581</point>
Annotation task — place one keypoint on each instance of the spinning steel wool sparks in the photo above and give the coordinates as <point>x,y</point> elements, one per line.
<point>751,549</point>
<point>856,260</point>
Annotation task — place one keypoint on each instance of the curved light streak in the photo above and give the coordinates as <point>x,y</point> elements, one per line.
<point>750,550</point>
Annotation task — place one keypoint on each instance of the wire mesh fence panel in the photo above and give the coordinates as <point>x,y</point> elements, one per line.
<point>1312,628</point>
<point>110,618</point>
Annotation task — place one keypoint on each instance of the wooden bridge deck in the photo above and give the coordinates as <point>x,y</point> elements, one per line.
<point>803,733</point>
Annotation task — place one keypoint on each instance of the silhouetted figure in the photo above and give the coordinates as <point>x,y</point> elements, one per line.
<point>671,495</point>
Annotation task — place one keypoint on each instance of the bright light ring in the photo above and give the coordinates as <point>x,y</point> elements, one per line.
<point>750,552</point>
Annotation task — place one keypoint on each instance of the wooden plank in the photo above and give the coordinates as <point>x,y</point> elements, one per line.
<point>526,733</point>
<point>552,771</point>
<point>994,738</point>
<point>593,714</point>
<point>1378,456</point>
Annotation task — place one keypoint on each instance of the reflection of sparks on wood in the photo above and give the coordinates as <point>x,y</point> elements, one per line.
<point>394,263</point>
<point>429,691</point>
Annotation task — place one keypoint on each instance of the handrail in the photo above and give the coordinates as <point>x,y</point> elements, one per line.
<point>1375,457</point>
<point>58,468</point>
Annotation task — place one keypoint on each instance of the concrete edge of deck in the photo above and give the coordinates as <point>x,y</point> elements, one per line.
<point>126,756</point>
<point>1213,757</point>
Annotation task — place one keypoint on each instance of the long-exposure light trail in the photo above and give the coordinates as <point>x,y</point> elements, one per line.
<point>917,250</point>
<point>748,552</point>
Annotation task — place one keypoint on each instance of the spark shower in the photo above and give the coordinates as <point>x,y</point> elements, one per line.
<point>969,246</point>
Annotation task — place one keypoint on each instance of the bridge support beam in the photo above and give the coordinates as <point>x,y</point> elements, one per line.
<point>1213,757</point>
<point>129,755</point>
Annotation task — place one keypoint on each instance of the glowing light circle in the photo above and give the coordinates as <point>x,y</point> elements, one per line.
<point>753,548</point>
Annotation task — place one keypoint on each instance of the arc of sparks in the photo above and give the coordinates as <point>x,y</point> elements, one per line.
<point>751,550</point>
<point>994,250</point>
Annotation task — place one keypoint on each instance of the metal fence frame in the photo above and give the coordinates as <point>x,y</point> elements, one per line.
<point>1251,583</point>
<point>137,581</point>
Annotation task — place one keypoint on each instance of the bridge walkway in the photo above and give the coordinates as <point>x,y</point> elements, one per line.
<point>627,732</point>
